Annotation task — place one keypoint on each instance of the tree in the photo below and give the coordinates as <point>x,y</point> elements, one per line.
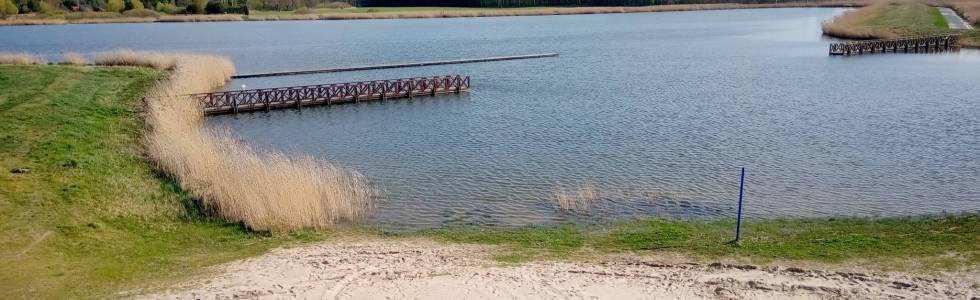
<point>7,7</point>
<point>200,5</point>
<point>137,4</point>
<point>116,5</point>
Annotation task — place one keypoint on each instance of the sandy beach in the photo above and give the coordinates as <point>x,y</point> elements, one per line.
<point>384,269</point>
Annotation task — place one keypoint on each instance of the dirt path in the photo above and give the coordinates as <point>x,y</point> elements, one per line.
<point>425,270</point>
<point>954,20</point>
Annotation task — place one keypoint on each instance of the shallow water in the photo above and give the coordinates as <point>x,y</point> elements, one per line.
<point>656,112</point>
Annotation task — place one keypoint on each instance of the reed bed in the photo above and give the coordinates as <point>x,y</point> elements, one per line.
<point>576,200</point>
<point>7,58</point>
<point>305,17</point>
<point>850,25</point>
<point>74,59</point>
<point>200,18</point>
<point>264,190</point>
<point>576,10</point>
<point>127,57</point>
<point>31,21</point>
<point>113,20</point>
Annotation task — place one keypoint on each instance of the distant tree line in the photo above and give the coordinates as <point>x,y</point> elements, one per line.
<point>526,3</point>
<point>165,6</point>
<point>8,7</point>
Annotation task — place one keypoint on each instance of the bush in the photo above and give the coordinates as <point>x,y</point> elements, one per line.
<point>167,7</point>
<point>141,13</point>
<point>334,5</point>
<point>215,8</point>
<point>303,10</point>
<point>199,6</point>
<point>115,5</point>
<point>255,4</point>
<point>7,7</point>
<point>137,5</point>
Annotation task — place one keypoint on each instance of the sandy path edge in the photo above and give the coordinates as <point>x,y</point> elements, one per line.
<point>386,269</point>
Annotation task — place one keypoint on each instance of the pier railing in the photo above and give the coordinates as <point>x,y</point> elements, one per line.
<point>326,94</point>
<point>918,44</point>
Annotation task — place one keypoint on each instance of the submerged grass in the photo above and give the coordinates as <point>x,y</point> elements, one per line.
<point>81,213</point>
<point>924,243</point>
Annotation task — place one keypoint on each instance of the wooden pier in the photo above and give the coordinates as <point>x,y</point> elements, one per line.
<point>918,44</point>
<point>327,94</point>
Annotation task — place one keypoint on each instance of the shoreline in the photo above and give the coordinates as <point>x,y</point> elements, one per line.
<point>463,13</point>
<point>419,268</point>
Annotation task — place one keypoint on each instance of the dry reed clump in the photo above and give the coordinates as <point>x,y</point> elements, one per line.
<point>21,59</point>
<point>265,191</point>
<point>114,20</point>
<point>74,59</point>
<point>576,200</point>
<point>127,57</point>
<point>850,24</point>
<point>200,18</point>
<point>27,21</point>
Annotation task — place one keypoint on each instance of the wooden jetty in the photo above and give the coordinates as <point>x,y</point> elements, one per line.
<point>400,65</point>
<point>918,44</point>
<point>326,94</point>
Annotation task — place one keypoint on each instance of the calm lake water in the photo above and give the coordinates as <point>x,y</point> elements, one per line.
<point>656,112</point>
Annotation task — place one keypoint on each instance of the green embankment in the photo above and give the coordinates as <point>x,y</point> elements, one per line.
<point>908,244</point>
<point>81,213</point>
<point>911,19</point>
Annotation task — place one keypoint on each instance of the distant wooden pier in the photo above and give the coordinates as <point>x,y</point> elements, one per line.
<point>399,65</point>
<point>918,44</point>
<point>327,94</point>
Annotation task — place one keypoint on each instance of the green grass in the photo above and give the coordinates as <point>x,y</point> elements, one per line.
<point>935,243</point>
<point>81,213</point>
<point>910,19</point>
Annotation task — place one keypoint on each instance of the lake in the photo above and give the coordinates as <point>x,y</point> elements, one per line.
<point>653,112</point>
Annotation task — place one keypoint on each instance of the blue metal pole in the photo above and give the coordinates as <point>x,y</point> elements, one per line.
<point>741,186</point>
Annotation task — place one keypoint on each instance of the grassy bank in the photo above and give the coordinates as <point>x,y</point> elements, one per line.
<point>81,213</point>
<point>891,20</point>
<point>357,13</point>
<point>907,244</point>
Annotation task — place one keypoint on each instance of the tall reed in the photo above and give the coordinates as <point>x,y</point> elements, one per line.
<point>200,18</point>
<point>850,25</point>
<point>264,190</point>
<point>126,57</point>
<point>72,58</point>
<point>21,58</point>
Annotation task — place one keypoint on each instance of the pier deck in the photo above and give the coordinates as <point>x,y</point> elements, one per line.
<point>327,94</point>
<point>918,44</point>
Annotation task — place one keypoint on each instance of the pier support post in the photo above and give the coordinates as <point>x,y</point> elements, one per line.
<point>738,223</point>
<point>265,97</point>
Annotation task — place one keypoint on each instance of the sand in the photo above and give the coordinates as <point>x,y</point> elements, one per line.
<point>414,269</point>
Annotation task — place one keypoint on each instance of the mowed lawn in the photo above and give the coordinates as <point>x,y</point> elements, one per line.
<point>81,213</point>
